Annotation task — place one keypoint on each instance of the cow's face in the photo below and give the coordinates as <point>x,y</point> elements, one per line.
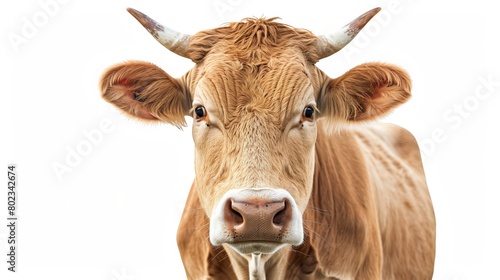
<point>254,132</point>
<point>255,96</point>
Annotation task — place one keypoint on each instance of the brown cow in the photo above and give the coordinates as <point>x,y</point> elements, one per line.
<point>288,184</point>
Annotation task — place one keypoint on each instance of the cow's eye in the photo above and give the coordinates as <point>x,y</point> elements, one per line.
<point>200,112</point>
<point>308,112</point>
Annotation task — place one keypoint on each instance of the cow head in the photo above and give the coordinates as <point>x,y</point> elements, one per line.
<point>255,97</point>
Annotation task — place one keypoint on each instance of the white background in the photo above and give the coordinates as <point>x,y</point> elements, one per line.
<point>115,215</point>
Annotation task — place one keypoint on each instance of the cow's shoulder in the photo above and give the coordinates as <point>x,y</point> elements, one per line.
<point>391,144</point>
<point>404,205</point>
<point>402,142</point>
<point>363,174</point>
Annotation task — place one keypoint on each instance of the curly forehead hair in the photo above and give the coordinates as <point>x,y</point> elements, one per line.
<point>253,40</point>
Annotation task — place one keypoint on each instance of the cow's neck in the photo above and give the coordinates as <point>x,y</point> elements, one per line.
<point>259,266</point>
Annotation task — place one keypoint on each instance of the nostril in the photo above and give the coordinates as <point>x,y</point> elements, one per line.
<point>236,217</point>
<point>283,216</point>
<point>279,217</point>
<point>232,215</point>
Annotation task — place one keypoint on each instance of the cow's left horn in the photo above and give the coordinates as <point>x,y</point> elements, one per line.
<point>171,39</point>
<point>330,44</point>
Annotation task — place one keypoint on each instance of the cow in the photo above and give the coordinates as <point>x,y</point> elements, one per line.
<point>294,177</point>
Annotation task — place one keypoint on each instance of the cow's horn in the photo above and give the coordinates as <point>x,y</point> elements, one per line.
<point>171,39</point>
<point>330,44</point>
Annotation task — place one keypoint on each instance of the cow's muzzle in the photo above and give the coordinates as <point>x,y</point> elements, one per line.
<point>256,221</point>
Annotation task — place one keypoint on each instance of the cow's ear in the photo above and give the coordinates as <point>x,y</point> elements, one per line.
<point>142,90</point>
<point>364,93</point>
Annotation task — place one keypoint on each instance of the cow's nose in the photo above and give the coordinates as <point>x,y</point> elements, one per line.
<point>257,219</point>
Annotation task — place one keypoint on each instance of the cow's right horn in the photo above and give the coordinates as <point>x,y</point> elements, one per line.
<point>332,43</point>
<point>174,41</point>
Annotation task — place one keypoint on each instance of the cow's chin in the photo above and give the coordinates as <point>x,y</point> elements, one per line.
<point>256,221</point>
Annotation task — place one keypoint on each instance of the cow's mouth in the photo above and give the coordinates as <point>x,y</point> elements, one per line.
<point>256,247</point>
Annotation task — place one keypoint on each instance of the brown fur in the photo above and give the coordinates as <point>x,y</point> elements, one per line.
<point>158,96</point>
<point>342,218</point>
<point>360,93</point>
<point>253,41</point>
<point>366,209</point>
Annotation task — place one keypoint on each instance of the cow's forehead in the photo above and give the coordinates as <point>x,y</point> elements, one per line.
<point>256,64</point>
<point>231,88</point>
